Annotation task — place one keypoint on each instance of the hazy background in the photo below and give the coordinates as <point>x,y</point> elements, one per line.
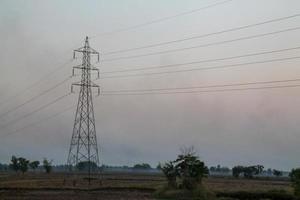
<point>229,128</point>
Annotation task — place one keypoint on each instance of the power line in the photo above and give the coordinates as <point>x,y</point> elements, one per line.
<point>40,121</point>
<point>201,61</point>
<point>203,91</point>
<point>203,45</point>
<point>159,20</point>
<point>204,35</point>
<point>204,68</point>
<point>204,86</point>
<point>35,83</point>
<point>35,111</point>
<point>34,97</point>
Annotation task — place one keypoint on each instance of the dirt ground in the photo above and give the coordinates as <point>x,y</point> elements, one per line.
<point>114,186</point>
<point>74,195</point>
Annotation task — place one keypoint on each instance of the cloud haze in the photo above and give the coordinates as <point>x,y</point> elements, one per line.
<point>227,128</point>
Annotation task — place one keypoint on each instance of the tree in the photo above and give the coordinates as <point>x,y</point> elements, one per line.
<point>295,178</point>
<point>47,165</point>
<point>248,172</point>
<point>190,169</point>
<point>237,170</point>
<point>14,164</point>
<point>187,168</point>
<point>277,173</point>
<point>170,172</point>
<point>34,164</point>
<point>159,166</point>
<point>219,169</point>
<point>84,166</point>
<point>142,166</point>
<point>23,164</point>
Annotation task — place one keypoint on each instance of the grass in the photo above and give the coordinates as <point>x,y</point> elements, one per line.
<point>178,194</point>
<point>223,188</point>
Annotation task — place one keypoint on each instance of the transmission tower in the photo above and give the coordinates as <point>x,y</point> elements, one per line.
<point>83,146</point>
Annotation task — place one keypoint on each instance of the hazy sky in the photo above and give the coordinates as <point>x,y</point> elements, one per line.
<point>227,128</point>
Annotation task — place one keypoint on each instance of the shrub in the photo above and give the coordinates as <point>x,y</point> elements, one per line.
<point>187,169</point>
<point>47,165</point>
<point>295,178</point>
<point>170,172</point>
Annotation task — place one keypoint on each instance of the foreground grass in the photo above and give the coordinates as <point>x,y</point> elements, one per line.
<point>221,188</point>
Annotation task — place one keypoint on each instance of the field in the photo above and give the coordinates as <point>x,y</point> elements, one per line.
<point>113,186</point>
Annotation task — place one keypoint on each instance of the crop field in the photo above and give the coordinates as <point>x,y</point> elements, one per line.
<point>116,186</point>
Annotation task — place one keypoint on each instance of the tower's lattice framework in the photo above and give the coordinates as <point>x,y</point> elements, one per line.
<point>84,146</point>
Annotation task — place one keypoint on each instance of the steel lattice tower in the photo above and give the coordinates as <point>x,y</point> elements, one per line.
<point>83,146</point>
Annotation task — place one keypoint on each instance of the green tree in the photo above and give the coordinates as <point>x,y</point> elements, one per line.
<point>47,165</point>
<point>295,178</point>
<point>23,164</point>
<point>34,164</point>
<point>14,164</point>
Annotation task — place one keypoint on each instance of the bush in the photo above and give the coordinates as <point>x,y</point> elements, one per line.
<point>187,169</point>
<point>171,173</point>
<point>86,165</point>
<point>47,165</point>
<point>295,178</point>
<point>19,164</point>
<point>142,166</point>
<point>248,172</point>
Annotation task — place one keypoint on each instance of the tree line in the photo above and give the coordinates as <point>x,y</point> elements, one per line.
<point>20,164</point>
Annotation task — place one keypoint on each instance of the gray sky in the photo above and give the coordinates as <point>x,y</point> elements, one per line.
<point>227,128</point>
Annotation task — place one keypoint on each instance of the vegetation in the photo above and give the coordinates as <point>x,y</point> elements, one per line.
<point>85,165</point>
<point>142,166</point>
<point>248,171</point>
<point>295,178</point>
<point>219,169</point>
<point>277,173</point>
<point>4,167</point>
<point>19,164</point>
<point>23,164</point>
<point>171,173</point>
<point>184,176</point>
<point>14,164</point>
<point>271,195</point>
<point>34,164</point>
<point>47,165</point>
